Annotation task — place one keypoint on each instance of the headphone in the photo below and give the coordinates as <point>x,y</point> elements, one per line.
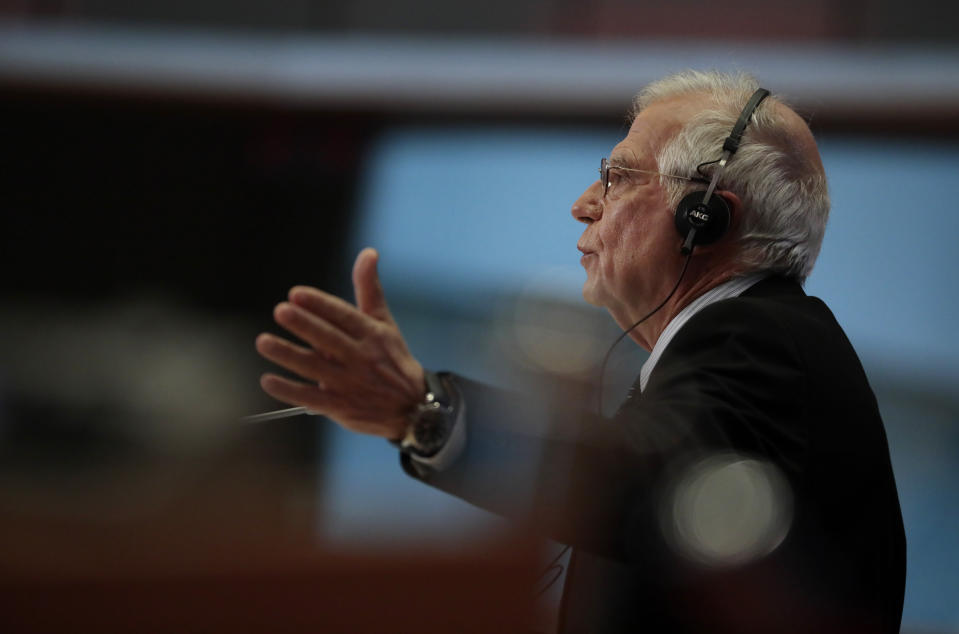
<point>702,218</point>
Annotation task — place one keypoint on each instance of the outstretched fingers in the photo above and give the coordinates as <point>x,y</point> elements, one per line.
<point>307,363</point>
<point>332,309</point>
<point>316,331</point>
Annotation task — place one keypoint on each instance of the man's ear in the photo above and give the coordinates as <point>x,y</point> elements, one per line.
<point>735,205</point>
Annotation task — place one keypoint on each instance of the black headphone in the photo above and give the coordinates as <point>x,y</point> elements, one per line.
<point>702,218</point>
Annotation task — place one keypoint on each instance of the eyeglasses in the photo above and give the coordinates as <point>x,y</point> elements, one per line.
<point>604,168</point>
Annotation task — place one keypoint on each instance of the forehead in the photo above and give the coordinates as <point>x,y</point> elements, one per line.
<point>652,127</point>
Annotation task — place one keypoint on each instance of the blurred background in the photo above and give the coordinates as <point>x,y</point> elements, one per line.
<point>170,169</point>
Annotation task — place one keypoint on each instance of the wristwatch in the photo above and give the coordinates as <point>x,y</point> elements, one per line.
<point>432,420</point>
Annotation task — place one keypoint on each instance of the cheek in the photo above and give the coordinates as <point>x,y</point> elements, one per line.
<point>622,246</point>
<point>634,248</point>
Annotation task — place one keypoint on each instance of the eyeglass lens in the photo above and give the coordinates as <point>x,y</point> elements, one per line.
<point>604,175</point>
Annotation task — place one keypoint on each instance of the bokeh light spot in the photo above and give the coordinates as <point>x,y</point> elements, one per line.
<point>728,510</point>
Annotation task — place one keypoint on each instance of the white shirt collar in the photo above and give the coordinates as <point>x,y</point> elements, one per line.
<point>733,288</point>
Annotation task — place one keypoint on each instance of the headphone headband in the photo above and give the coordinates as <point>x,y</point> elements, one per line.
<point>732,141</point>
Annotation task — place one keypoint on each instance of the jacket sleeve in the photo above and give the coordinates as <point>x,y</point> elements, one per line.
<point>730,381</point>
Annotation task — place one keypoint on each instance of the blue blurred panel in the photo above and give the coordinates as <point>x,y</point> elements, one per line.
<point>465,212</point>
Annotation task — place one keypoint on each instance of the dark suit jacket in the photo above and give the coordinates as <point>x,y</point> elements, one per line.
<point>768,377</point>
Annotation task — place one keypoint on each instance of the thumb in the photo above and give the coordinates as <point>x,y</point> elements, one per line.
<point>367,288</point>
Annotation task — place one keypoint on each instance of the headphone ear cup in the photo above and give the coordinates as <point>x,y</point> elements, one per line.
<point>710,221</point>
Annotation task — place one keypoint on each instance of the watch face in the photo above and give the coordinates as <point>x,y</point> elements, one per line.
<point>430,429</point>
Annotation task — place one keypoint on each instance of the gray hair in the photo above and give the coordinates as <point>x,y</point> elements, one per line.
<point>785,197</point>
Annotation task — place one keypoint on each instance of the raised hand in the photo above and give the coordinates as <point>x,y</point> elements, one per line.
<point>357,367</point>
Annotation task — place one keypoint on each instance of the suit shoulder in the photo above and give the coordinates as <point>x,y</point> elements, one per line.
<point>776,310</point>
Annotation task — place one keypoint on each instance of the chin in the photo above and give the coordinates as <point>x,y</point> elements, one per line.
<point>592,295</point>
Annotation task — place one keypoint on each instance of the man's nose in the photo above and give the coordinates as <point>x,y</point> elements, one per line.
<point>589,206</point>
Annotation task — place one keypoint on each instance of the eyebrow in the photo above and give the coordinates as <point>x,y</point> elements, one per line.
<point>619,161</point>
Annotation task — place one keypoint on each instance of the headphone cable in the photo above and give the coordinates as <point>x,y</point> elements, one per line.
<point>602,370</point>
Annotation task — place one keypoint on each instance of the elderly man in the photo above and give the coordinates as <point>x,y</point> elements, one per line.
<point>745,484</point>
